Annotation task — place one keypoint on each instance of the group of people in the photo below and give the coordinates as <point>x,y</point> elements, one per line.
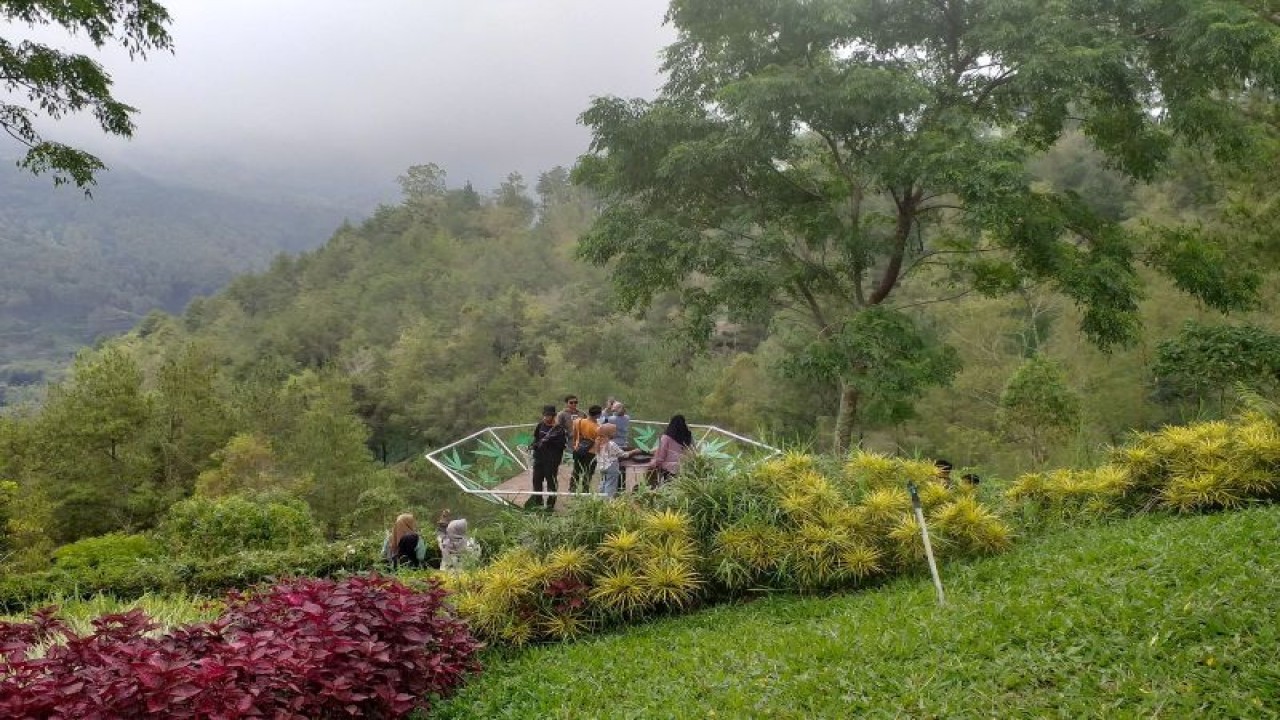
<point>405,546</point>
<point>599,439</point>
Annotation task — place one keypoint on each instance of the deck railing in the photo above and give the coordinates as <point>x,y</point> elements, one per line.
<point>482,461</point>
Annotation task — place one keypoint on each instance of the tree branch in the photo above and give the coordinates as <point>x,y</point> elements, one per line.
<point>892,271</point>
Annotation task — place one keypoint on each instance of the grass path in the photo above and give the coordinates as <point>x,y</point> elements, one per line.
<point>1153,617</point>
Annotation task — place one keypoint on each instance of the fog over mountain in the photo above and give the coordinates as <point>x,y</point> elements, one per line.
<point>333,99</point>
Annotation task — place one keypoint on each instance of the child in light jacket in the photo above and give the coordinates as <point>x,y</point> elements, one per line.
<point>608,457</point>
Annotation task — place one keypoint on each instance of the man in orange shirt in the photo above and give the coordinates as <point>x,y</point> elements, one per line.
<point>584,455</point>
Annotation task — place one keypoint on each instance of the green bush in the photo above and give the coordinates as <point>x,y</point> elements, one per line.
<point>215,527</point>
<point>111,550</point>
<point>1186,468</point>
<point>791,523</point>
<point>192,576</point>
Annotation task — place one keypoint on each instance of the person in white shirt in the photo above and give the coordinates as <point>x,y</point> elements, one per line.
<point>608,457</point>
<point>617,416</point>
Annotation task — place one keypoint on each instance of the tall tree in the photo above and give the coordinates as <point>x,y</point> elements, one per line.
<point>57,83</point>
<point>1038,407</point>
<point>822,157</point>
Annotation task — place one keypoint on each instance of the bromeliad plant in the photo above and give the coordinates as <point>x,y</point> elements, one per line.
<point>715,534</point>
<point>647,564</point>
<point>1191,468</point>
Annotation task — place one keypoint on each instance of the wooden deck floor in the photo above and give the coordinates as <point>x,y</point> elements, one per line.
<point>524,482</point>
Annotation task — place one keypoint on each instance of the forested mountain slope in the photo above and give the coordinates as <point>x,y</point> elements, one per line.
<point>73,269</point>
<point>454,309</point>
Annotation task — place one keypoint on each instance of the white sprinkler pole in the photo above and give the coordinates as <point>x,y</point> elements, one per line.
<point>928,547</point>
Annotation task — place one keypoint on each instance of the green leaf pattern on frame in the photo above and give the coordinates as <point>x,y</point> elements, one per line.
<point>714,448</point>
<point>645,437</point>
<point>522,440</point>
<point>493,451</point>
<point>454,462</point>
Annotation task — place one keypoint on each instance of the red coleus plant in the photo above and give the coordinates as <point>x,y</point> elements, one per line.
<point>365,647</point>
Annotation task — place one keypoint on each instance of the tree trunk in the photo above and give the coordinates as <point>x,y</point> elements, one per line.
<point>846,417</point>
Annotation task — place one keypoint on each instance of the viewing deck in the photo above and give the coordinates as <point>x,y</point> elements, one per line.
<point>494,463</point>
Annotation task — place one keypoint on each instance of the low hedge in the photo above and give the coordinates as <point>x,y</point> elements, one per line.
<point>712,535</point>
<point>212,576</point>
<point>1218,465</point>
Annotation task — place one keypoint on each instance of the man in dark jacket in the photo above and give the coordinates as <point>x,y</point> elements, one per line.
<point>549,439</point>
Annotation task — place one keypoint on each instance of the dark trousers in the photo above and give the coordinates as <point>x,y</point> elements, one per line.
<point>545,468</point>
<point>584,467</point>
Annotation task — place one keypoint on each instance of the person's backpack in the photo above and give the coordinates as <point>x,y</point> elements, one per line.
<point>584,445</point>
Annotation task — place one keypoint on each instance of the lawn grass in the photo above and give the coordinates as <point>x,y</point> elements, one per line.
<point>1158,616</point>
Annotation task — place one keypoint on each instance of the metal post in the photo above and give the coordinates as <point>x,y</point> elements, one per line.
<point>928,547</point>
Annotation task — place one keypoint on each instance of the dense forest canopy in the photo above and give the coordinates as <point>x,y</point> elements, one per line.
<point>909,210</point>
<point>846,160</point>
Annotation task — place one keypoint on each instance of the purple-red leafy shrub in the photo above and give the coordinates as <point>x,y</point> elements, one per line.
<point>365,646</point>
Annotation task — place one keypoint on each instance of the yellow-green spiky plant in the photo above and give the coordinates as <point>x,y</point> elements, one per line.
<point>787,467</point>
<point>907,544</point>
<point>1028,487</point>
<point>933,493</point>
<point>511,579</point>
<point>620,591</point>
<point>881,508</point>
<point>518,631</point>
<point>569,561</point>
<point>872,470</point>
<point>1257,443</point>
<point>845,517</point>
<point>813,556</point>
<point>745,552</point>
<point>622,548</point>
<point>666,525</point>
<point>564,625</point>
<point>970,526</point>
<point>808,495</point>
<point>1068,487</point>
<point>1199,491</point>
<point>920,472</point>
<point>1188,449</point>
<point>1142,459</point>
<point>669,582</point>
<point>859,561</point>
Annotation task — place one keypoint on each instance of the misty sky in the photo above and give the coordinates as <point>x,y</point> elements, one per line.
<point>298,90</point>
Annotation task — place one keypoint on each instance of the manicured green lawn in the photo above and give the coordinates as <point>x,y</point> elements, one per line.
<point>1152,617</point>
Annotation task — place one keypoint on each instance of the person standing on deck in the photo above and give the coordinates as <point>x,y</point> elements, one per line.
<point>610,455</point>
<point>617,416</point>
<point>549,440</point>
<point>676,441</point>
<point>584,450</point>
<point>569,415</point>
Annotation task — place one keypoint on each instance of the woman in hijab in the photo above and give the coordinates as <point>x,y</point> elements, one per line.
<point>404,543</point>
<point>674,443</point>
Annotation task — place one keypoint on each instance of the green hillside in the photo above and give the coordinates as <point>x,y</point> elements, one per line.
<point>1157,616</point>
<point>75,269</point>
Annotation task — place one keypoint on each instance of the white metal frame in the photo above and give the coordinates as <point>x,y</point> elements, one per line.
<point>500,496</point>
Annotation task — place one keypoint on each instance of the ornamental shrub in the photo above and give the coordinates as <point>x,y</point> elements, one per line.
<point>191,576</point>
<point>1186,468</point>
<point>791,523</point>
<point>111,550</point>
<point>212,527</point>
<point>365,646</point>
